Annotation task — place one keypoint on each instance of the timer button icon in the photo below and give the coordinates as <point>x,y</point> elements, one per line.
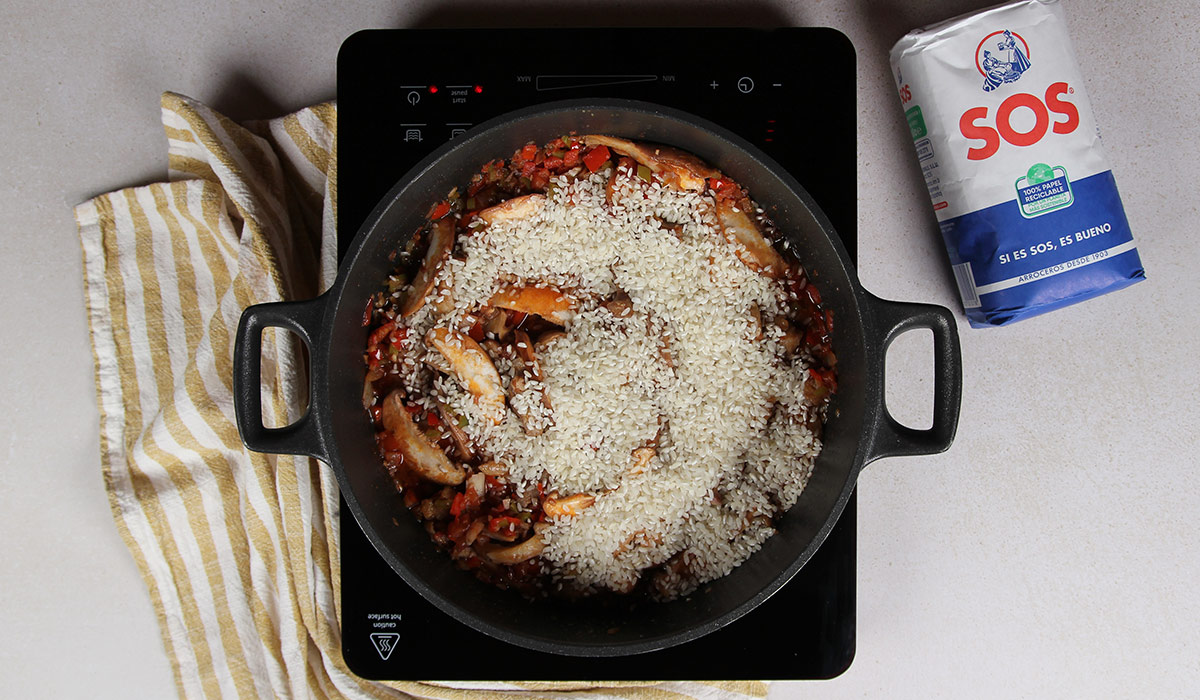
<point>745,84</point>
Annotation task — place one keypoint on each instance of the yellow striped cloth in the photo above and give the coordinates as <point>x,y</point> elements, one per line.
<point>239,550</point>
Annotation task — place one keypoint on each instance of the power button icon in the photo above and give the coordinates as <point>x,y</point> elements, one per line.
<point>745,84</point>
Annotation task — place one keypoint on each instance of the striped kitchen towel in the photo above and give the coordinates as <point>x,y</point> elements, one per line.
<point>239,550</point>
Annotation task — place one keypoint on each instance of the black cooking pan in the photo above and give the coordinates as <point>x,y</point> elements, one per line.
<point>337,431</point>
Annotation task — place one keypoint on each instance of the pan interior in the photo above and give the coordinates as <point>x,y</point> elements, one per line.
<point>599,627</point>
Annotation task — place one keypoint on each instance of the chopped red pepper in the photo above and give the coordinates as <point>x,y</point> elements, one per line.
<point>814,295</point>
<point>476,331</point>
<point>471,500</point>
<point>815,334</point>
<point>367,311</point>
<point>529,152</point>
<point>826,377</point>
<point>503,523</point>
<point>380,333</point>
<point>797,283</point>
<point>456,506</point>
<point>387,441</point>
<point>432,419</point>
<point>571,157</point>
<point>439,210</point>
<point>457,528</point>
<point>596,157</point>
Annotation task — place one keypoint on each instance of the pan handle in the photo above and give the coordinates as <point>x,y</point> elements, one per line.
<point>302,437</point>
<point>891,319</point>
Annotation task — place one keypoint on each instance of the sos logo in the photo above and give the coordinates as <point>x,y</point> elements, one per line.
<point>976,123</point>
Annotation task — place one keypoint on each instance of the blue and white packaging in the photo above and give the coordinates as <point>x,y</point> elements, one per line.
<point>1011,154</point>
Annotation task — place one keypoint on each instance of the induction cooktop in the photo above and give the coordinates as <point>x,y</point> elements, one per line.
<point>791,92</point>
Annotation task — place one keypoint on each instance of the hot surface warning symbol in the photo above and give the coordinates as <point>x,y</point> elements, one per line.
<point>385,643</point>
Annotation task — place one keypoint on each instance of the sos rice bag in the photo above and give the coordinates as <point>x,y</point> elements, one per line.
<point>1005,135</point>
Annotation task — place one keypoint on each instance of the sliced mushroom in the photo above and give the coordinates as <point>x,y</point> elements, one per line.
<point>473,368</point>
<point>815,389</point>
<point>496,350</point>
<point>441,242</point>
<point>674,575</point>
<point>494,469</point>
<point>682,170</point>
<point>639,538</point>
<point>368,395</point>
<point>477,485</point>
<point>547,339</point>
<point>749,244</point>
<point>420,456</point>
<point>473,532</point>
<point>466,451</point>
<point>515,554</point>
<point>675,230</point>
<point>551,304</point>
<point>568,507</point>
<point>527,353</point>
<point>664,347</point>
<point>514,209</point>
<point>619,305</point>
<point>496,323</point>
<point>756,324</point>
<point>625,167</point>
<point>792,337</point>
<point>662,438</point>
<point>529,370</point>
<point>533,422</point>
<point>641,459</point>
<point>438,362</point>
<point>443,298</point>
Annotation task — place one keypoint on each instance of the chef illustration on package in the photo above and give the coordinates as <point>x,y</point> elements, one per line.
<point>1006,68</point>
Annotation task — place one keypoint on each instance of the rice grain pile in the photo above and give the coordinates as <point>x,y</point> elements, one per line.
<point>680,412</point>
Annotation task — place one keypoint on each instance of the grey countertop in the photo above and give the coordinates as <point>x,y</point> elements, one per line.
<point>1053,552</point>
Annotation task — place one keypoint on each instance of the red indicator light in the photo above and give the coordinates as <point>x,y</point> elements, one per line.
<point>478,89</point>
<point>433,89</point>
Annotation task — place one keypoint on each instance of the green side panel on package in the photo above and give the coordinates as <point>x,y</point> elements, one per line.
<point>916,123</point>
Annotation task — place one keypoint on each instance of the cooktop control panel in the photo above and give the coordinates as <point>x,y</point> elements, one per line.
<point>782,90</point>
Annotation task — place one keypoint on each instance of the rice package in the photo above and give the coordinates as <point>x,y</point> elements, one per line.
<point>1011,154</point>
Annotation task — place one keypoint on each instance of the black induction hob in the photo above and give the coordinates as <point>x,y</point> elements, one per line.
<point>791,92</point>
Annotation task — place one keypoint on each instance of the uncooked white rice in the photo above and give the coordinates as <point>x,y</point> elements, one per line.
<point>726,413</point>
